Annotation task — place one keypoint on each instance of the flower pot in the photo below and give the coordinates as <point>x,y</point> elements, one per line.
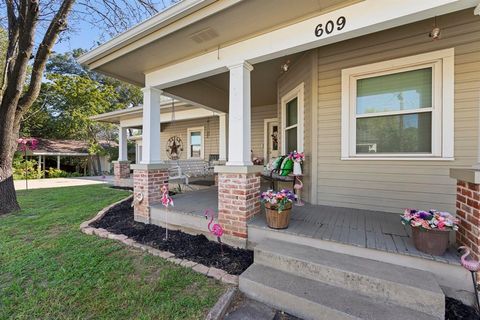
<point>278,219</point>
<point>434,242</point>
<point>297,169</point>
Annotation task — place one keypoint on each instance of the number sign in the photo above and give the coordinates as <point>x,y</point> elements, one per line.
<point>330,26</point>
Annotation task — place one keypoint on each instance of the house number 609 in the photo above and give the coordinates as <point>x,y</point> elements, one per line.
<point>330,26</point>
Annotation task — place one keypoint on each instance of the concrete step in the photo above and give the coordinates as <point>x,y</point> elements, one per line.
<point>384,282</point>
<point>310,299</point>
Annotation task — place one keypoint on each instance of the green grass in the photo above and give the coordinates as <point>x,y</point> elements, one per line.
<point>50,270</point>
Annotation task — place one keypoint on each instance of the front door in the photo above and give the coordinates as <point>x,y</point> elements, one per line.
<point>272,140</point>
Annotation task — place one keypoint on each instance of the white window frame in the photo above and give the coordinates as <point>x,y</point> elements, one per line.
<point>202,148</point>
<point>297,92</point>
<point>442,64</point>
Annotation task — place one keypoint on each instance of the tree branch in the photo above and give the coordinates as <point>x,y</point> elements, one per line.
<point>57,25</point>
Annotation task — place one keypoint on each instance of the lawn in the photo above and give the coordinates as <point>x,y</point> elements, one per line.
<point>50,270</point>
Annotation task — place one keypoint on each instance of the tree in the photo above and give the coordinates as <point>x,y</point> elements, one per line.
<point>33,29</point>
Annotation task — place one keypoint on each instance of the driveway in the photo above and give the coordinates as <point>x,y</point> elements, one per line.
<point>62,182</point>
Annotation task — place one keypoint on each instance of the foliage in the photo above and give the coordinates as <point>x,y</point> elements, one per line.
<point>278,199</point>
<point>50,270</point>
<point>56,173</point>
<point>431,219</point>
<point>28,168</point>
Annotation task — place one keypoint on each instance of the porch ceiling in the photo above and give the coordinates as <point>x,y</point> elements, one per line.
<point>212,92</point>
<point>234,23</point>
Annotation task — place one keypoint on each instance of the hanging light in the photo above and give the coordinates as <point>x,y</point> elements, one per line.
<point>436,32</point>
<point>284,67</point>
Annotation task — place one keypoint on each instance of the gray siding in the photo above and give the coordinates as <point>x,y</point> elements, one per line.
<point>394,185</point>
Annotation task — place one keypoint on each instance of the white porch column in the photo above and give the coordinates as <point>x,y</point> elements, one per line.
<point>223,137</point>
<point>239,124</point>
<point>58,162</point>
<point>151,126</point>
<point>122,144</point>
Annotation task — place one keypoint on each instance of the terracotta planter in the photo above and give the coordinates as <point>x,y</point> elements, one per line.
<point>278,219</point>
<point>434,242</point>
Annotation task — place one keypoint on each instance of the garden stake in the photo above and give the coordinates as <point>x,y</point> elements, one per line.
<point>473,266</point>
<point>216,229</point>
<point>166,201</point>
<point>24,147</point>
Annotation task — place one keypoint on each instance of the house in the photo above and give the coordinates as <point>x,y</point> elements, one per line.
<point>382,96</point>
<point>50,153</point>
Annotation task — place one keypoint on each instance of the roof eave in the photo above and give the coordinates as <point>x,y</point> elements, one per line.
<point>158,21</point>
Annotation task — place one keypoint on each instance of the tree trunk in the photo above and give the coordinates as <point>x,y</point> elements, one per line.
<point>8,198</point>
<point>99,165</point>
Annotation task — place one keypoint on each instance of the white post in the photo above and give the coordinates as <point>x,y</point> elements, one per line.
<point>223,137</point>
<point>58,162</point>
<point>122,144</point>
<point>151,126</point>
<point>39,165</point>
<point>239,123</point>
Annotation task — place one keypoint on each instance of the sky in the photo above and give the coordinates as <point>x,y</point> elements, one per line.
<point>87,36</point>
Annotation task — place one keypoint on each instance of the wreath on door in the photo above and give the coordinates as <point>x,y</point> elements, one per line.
<point>174,148</point>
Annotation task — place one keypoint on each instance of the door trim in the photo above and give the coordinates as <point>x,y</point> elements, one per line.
<point>265,135</point>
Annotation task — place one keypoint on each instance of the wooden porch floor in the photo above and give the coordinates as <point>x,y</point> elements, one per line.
<point>363,228</point>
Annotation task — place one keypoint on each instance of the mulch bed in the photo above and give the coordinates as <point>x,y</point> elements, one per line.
<point>198,248</point>
<point>456,310</point>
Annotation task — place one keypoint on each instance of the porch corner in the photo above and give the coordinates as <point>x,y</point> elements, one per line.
<point>468,208</point>
<point>148,180</point>
<point>238,200</point>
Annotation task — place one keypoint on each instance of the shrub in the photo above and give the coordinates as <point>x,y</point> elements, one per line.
<point>57,173</point>
<point>20,166</point>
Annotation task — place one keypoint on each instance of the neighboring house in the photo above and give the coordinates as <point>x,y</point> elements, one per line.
<point>385,111</point>
<point>50,152</point>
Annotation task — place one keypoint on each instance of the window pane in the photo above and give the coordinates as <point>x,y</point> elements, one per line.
<point>195,138</point>
<point>410,133</point>
<point>195,151</point>
<point>400,91</point>
<point>291,113</point>
<point>291,139</point>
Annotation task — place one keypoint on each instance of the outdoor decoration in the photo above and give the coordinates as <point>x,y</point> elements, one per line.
<point>166,201</point>
<point>298,186</point>
<point>473,266</point>
<point>137,199</point>
<point>430,229</point>
<point>26,144</point>
<point>278,206</point>
<point>215,229</point>
<point>297,158</point>
<point>174,148</point>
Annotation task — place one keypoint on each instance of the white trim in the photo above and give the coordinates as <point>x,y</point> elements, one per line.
<point>297,92</point>
<point>442,64</point>
<point>202,147</point>
<point>300,37</point>
<point>265,135</point>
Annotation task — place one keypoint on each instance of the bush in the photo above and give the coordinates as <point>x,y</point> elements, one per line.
<point>20,166</point>
<point>57,173</point>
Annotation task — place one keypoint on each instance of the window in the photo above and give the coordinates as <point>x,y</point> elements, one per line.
<point>195,142</point>
<point>292,120</point>
<point>399,109</point>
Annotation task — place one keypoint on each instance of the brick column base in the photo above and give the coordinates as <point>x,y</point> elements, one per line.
<point>468,209</point>
<point>148,180</point>
<point>121,169</point>
<point>238,200</point>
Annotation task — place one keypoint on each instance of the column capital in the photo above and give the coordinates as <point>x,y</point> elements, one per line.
<point>151,89</point>
<point>243,64</point>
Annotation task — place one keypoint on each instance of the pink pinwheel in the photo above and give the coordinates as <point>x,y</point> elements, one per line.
<point>216,229</point>
<point>25,144</point>
<point>166,201</point>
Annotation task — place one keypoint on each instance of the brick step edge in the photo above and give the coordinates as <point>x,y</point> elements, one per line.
<point>211,272</point>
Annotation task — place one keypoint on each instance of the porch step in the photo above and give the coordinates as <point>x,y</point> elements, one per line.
<point>312,299</point>
<point>384,282</point>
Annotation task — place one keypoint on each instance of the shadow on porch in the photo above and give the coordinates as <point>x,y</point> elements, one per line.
<point>353,227</point>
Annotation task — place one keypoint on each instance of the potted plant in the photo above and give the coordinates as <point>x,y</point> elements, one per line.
<point>278,206</point>
<point>297,158</point>
<point>430,229</point>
